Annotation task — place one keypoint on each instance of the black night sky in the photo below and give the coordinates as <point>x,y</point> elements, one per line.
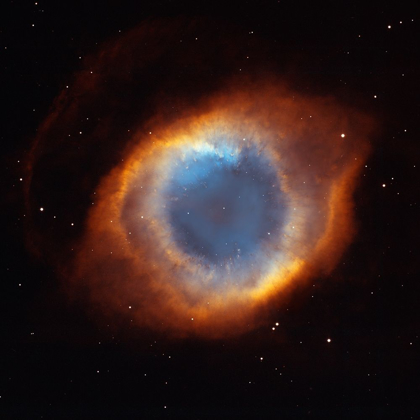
<point>347,343</point>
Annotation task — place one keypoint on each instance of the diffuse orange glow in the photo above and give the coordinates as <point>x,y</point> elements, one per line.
<point>126,255</point>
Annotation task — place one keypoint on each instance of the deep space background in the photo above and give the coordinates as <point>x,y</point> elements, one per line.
<point>347,344</point>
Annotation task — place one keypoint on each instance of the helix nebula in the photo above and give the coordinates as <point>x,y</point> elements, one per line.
<point>185,190</point>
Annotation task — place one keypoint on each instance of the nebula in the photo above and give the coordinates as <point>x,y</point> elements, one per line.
<point>184,204</point>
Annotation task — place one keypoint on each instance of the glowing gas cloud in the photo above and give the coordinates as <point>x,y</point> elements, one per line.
<point>197,209</point>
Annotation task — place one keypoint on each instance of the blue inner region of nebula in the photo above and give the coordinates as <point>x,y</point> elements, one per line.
<point>224,205</point>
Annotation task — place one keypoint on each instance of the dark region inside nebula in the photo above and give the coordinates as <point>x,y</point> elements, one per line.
<point>223,207</point>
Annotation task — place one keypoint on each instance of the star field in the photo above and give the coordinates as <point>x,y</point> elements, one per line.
<point>340,344</point>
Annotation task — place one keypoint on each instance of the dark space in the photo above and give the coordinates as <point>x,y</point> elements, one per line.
<point>347,344</point>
